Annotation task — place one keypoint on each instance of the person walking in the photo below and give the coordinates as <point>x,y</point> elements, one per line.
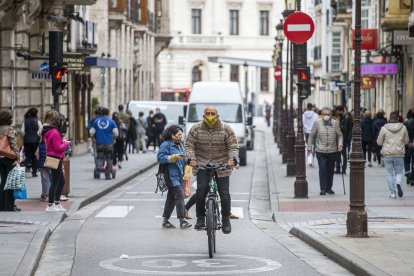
<point>150,130</point>
<point>329,140</point>
<point>212,141</point>
<point>119,141</point>
<point>309,117</point>
<point>125,119</point>
<point>367,136</point>
<point>141,131</point>
<point>30,132</point>
<point>7,132</point>
<point>45,173</point>
<point>409,150</point>
<point>104,130</point>
<point>379,122</point>
<point>132,133</point>
<point>172,152</point>
<point>55,147</point>
<point>159,121</point>
<point>393,137</point>
<point>346,124</point>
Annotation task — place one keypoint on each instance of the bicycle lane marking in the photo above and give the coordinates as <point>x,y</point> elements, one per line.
<point>166,264</point>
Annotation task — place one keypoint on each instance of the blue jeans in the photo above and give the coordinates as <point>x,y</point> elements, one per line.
<point>394,165</point>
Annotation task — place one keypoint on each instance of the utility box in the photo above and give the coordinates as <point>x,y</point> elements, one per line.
<point>66,165</point>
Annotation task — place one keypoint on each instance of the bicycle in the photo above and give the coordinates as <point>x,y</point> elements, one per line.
<point>213,221</point>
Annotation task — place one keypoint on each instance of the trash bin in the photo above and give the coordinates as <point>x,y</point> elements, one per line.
<point>66,187</point>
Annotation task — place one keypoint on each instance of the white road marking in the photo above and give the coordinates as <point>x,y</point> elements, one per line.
<point>114,212</point>
<point>298,27</point>
<point>163,199</point>
<point>136,193</point>
<point>173,264</point>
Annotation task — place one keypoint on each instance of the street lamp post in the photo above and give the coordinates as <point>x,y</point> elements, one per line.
<point>301,185</point>
<point>291,165</point>
<point>221,71</point>
<point>279,38</point>
<point>246,87</point>
<point>357,219</point>
<point>276,126</point>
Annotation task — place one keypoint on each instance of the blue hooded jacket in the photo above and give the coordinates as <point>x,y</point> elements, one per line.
<point>176,169</point>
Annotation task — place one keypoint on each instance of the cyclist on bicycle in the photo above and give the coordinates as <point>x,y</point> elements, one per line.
<point>212,141</point>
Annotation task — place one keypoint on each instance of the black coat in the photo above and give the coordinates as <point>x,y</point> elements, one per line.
<point>367,127</point>
<point>378,124</point>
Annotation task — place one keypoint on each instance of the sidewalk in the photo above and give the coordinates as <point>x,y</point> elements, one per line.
<point>321,220</point>
<point>24,234</point>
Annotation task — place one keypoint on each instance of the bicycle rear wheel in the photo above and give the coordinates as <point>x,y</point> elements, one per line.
<point>211,230</point>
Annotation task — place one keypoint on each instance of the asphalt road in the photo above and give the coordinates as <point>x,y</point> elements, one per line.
<point>121,234</point>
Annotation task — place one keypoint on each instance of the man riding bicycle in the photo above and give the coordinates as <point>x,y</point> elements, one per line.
<point>212,141</point>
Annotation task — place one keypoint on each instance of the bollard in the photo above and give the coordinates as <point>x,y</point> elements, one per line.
<point>66,165</point>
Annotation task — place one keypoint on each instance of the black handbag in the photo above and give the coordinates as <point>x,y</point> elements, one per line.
<point>163,179</point>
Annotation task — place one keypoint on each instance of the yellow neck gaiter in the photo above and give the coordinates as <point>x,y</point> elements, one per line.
<point>210,121</point>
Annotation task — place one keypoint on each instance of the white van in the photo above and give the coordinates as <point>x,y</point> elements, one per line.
<point>172,110</point>
<point>227,97</point>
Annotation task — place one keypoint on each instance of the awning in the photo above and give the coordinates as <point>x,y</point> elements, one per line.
<point>101,62</point>
<point>241,61</point>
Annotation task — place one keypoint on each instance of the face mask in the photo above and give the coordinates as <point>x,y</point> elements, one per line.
<point>326,118</point>
<point>157,112</point>
<point>210,121</point>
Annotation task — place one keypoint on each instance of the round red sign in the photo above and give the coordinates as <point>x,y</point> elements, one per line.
<point>278,73</point>
<point>298,27</point>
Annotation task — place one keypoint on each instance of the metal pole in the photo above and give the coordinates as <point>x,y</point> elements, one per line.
<point>301,185</point>
<point>357,219</point>
<point>291,165</point>
<point>280,93</point>
<point>285,111</point>
<point>246,88</point>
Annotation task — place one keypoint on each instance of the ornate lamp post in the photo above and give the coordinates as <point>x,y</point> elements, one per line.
<point>246,88</point>
<point>279,105</point>
<point>357,219</point>
<point>276,126</point>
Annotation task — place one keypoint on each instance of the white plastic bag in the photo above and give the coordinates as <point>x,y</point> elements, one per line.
<point>310,159</point>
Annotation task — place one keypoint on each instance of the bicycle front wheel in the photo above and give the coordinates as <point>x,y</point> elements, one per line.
<point>211,230</point>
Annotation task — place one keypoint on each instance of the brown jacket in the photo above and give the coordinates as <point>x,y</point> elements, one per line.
<point>11,134</point>
<point>218,145</point>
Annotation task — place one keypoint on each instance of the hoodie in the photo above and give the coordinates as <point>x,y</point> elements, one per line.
<point>308,118</point>
<point>55,146</point>
<point>393,137</point>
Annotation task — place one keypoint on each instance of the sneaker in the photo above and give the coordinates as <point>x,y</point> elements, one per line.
<point>185,225</point>
<point>322,193</point>
<point>369,164</point>
<point>63,198</point>
<point>201,223</point>
<point>60,208</point>
<point>167,225</point>
<point>400,192</point>
<point>226,229</point>
<point>51,208</point>
<point>392,195</point>
<point>408,178</point>
<point>43,198</point>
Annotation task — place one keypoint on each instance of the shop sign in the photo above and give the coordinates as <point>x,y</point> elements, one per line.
<point>379,69</point>
<point>40,76</point>
<point>402,38</point>
<point>367,83</point>
<point>369,39</point>
<point>74,62</point>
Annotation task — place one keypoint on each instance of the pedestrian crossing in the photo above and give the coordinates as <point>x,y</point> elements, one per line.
<point>115,212</point>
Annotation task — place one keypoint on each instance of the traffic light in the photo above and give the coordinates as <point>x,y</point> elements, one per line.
<point>57,84</point>
<point>303,74</point>
<point>56,67</point>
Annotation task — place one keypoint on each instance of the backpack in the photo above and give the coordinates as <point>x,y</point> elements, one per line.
<point>163,179</point>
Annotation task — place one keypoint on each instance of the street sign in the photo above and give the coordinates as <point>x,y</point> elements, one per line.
<point>298,27</point>
<point>278,73</point>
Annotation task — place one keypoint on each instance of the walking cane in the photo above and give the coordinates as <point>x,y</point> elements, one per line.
<point>342,172</point>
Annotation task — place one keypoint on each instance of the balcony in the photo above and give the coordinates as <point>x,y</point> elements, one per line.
<point>198,42</point>
<point>396,15</point>
<point>342,10</point>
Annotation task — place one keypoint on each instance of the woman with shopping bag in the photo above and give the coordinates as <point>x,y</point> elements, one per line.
<point>9,157</point>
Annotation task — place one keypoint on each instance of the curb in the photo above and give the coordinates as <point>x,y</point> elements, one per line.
<point>29,264</point>
<point>351,262</point>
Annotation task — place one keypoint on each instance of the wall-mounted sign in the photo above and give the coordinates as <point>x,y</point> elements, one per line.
<point>74,61</point>
<point>43,76</point>
<point>369,39</point>
<point>379,69</point>
<point>402,38</point>
<point>367,83</point>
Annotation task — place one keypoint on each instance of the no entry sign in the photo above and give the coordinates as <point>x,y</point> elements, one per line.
<point>298,27</point>
<point>278,73</point>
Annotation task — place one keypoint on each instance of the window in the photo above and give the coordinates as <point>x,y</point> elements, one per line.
<point>364,18</point>
<point>264,22</point>
<point>335,64</point>
<point>234,73</point>
<point>196,21</point>
<point>234,22</point>
<point>138,11</point>
<point>196,74</point>
<point>336,52</point>
<point>264,79</point>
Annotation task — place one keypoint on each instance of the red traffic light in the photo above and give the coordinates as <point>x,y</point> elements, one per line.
<point>60,72</point>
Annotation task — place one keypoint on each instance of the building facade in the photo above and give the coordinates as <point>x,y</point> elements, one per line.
<point>213,41</point>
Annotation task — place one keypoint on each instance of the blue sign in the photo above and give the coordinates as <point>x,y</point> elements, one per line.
<point>44,67</point>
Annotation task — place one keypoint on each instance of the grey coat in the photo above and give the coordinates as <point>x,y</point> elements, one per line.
<point>328,136</point>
